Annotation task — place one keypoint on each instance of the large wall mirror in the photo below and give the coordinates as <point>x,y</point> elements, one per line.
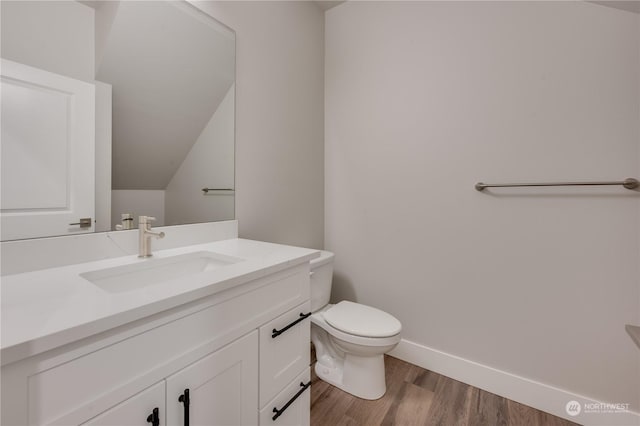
<point>113,108</point>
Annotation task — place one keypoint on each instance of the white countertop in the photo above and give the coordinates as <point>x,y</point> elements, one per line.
<point>45,309</point>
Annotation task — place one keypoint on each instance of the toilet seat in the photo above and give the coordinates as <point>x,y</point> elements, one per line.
<point>361,320</point>
<point>318,319</point>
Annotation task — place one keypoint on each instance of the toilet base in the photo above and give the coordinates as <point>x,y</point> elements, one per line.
<point>360,376</point>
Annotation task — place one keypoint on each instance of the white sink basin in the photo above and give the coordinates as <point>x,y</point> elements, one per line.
<point>154,271</point>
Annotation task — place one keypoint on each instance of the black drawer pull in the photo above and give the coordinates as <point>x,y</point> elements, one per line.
<point>279,412</point>
<point>275,333</point>
<point>184,398</point>
<point>154,417</point>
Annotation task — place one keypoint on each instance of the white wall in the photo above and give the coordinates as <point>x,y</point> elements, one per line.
<point>423,100</point>
<point>56,36</point>
<point>279,113</point>
<point>139,202</point>
<point>209,164</point>
<point>103,156</point>
<point>279,119</point>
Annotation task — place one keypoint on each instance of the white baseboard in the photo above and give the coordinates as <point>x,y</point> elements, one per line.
<point>525,391</point>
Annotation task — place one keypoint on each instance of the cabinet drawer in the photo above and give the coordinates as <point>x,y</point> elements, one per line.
<point>136,410</point>
<point>78,390</point>
<point>298,396</point>
<point>284,350</point>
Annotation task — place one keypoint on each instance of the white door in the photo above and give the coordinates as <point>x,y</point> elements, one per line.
<point>222,387</point>
<point>47,151</point>
<point>143,409</point>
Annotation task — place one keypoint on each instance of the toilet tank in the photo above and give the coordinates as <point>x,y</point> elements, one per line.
<point>321,276</point>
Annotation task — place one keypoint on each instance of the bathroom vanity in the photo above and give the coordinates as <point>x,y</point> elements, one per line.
<point>223,342</point>
<point>211,329</point>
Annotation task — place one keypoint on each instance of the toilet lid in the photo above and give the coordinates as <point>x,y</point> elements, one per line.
<point>362,320</point>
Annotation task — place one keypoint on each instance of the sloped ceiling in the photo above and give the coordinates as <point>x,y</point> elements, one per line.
<point>169,71</point>
<point>326,4</point>
<point>628,5</point>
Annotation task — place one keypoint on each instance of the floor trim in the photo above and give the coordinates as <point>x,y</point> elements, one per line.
<point>525,391</point>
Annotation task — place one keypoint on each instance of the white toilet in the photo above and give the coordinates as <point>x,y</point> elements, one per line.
<point>350,339</point>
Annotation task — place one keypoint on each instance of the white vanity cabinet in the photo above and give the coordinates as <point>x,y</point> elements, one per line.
<point>220,389</point>
<point>291,406</point>
<point>132,411</point>
<point>284,368</point>
<point>219,347</point>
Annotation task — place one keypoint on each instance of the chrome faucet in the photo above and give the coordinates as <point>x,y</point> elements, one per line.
<point>145,234</point>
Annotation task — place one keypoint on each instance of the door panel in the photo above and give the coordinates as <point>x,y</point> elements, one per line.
<point>47,153</point>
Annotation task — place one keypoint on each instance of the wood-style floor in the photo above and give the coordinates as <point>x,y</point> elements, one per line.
<point>416,396</point>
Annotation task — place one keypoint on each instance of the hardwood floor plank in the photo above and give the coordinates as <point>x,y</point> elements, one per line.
<point>347,421</point>
<point>328,403</point>
<point>450,404</point>
<point>416,396</point>
<point>520,414</point>
<point>392,409</point>
<point>318,388</point>
<point>330,406</point>
<point>374,412</point>
<point>547,419</point>
<point>426,379</point>
<point>487,409</point>
<point>411,407</point>
<point>397,370</point>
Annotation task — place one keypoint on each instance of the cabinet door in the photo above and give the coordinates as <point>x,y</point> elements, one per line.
<point>223,387</point>
<point>135,410</point>
<point>284,350</point>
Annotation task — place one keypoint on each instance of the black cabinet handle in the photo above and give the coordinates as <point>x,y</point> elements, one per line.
<point>154,417</point>
<point>184,398</point>
<point>275,333</point>
<point>279,412</point>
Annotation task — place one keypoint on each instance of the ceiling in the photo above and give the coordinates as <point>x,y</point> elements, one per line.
<point>629,5</point>
<point>326,5</point>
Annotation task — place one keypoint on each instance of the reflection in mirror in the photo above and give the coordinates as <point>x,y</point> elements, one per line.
<point>114,108</point>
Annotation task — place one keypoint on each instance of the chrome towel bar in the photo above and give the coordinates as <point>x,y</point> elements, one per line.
<point>629,183</point>
<point>206,190</point>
